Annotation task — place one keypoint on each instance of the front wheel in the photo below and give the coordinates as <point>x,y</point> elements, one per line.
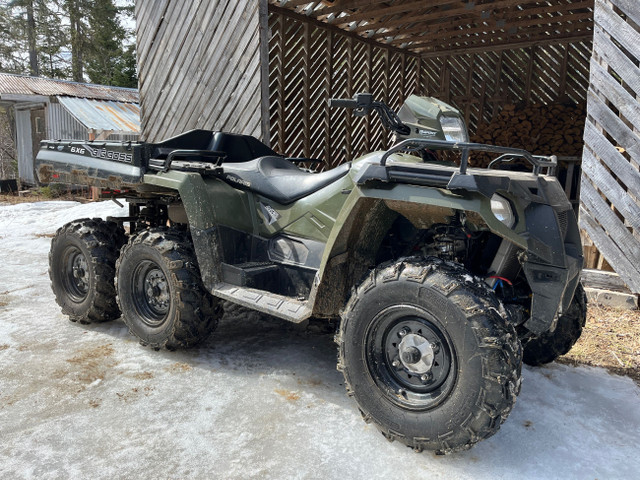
<point>428,355</point>
<point>551,345</point>
<point>160,292</point>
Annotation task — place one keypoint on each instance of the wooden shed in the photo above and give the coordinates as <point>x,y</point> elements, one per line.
<point>267,67</point>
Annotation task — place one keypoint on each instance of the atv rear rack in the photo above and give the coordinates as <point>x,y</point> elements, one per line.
<point>206,160</point>
<point>414,144</point>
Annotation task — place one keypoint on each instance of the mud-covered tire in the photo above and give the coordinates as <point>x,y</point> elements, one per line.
<point>82,264</point>
<point>477,357</point>
<point>551,345</point>
<point>160,291</point>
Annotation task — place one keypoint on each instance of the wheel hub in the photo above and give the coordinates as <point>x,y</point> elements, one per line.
<point>76,279</point>
<point>157,290</point>
<point>416,353</point>
<point>410,357</point>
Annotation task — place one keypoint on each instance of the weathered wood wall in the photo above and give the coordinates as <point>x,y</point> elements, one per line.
<point>199,66</point>
<point>610,210</point>
<point>310,62</point>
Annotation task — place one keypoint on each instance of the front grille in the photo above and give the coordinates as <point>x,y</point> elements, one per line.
<point>563,221</point>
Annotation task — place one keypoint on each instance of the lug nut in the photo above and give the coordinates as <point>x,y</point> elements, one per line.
<point>426,377</point>
<point>403,332</point>
<point>396,363</point>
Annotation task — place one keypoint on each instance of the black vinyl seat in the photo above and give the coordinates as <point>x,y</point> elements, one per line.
<point>278,179</point>
<point>236,147</point>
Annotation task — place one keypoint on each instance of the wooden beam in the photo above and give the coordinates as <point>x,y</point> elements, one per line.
<point>301,18</point>
<point>542,26</point>
<point>510,45</point>
<point>263,12</point>
<point>515,19</point>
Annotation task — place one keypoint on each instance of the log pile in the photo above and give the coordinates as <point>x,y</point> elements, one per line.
<point>554,129</point>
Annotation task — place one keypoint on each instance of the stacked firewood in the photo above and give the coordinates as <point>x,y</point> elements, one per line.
<point>554,129</point>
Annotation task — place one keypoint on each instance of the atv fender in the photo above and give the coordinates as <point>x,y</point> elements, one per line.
<point>365,220</point>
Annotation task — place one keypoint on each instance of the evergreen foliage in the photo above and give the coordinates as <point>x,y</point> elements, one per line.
<point>80,40</point>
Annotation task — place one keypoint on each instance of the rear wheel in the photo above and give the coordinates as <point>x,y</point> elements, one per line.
<point>551,345</point>
<point>160,291</point>
<point>82,269</point>
<point>428,356</point>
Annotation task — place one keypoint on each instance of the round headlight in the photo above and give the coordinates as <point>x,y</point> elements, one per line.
<point>501,208</point>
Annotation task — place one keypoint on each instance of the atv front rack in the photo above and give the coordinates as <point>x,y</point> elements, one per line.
<point>415,144</point>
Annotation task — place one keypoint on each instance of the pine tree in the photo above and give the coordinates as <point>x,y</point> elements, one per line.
<point>69,39</point>
<point>76,11</point>
<point>53,40</point>
<point>126,73</point>
<point>106,37</point>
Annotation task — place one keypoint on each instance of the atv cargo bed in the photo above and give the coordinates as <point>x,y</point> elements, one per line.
<point>104,165</point>
<point>116,165</point>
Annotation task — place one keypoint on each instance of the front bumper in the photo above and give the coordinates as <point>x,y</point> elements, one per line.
<point>553,289</point>
<point>553,263</point>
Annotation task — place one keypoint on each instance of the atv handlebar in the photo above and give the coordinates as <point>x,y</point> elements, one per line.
<point>364,103</point>
<point>342,103</point>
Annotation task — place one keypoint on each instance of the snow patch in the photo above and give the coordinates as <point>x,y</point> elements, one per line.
<point>260,399</point>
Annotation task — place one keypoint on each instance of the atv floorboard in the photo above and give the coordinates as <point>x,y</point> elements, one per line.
<point>280,306</point>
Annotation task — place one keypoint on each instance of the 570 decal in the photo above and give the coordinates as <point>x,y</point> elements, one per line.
<point>109,154</point>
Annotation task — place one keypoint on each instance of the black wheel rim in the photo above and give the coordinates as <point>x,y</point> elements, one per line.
<point>410,357</point>
<point>75,277</point>
<point>151,293</point>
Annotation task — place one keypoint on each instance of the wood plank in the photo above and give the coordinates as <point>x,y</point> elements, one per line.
<point>624,267</point>
<point>214,66</point>
<point>604,280</point>
<point>508,45</point>
<point>618,233</point>
<point>171,89</point>
<point>611,23</point>
<point>614,126</point>
<point>264,70</point>
<point>229,90</point>
<point>610,298</point>
<point>614,160</point>
<point>629,7</point>
<point>220,63</point>
<point>611,54</point>
<point>614,92</point>
<point>595,171</point>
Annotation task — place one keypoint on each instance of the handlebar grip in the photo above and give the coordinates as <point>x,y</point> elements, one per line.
<point>343,103</point>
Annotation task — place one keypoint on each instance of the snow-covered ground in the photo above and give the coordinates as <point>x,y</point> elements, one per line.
<point>258,400</point>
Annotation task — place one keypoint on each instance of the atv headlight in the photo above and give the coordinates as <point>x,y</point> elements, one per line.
<point>501,208</point>
<point>454,129</point>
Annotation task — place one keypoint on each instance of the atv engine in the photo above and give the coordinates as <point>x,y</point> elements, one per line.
<point>448,242</point>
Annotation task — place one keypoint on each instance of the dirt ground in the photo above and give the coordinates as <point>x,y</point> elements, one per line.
<point>611,339</point>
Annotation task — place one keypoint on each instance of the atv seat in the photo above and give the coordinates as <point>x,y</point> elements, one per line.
<point>278,179</point>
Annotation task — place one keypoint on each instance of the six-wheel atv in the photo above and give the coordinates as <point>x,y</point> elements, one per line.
<point>438,274</point>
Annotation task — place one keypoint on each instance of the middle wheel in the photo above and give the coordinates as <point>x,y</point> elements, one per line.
<point>160,292</point>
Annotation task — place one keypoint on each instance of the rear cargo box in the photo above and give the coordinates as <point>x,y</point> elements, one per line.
<point>100,164</point>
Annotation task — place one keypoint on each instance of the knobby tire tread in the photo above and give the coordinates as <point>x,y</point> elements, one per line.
<point>103,240</point>
<point>198,312</point>
<point>497,340</point>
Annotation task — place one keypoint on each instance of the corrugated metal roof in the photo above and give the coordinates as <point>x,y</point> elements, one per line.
<point>104,115</point>
<point>23,85</point>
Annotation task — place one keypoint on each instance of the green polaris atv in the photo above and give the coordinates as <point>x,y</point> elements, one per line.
<point>436,273</point>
